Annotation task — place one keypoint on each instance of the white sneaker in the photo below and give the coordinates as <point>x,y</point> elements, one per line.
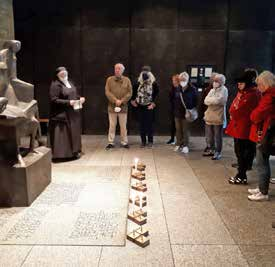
<point>258,197</point>
<point>253,191</point>
<point>185,150</point>
<point>177,148</point>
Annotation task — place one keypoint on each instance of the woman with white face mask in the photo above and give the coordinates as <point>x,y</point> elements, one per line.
<point>65,119</point>
<point>186,93</point>
<point>215,115</point>
<point>203,108</point>
<point>145,93</point>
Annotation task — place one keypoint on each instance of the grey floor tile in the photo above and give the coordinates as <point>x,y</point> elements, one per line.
<point>205,255</point>
<point>157,254</point>
<point>248,222</point>
<point>259,255</point>
<point>13,256</point>
<point>192,219</point>
<point>53,256</point>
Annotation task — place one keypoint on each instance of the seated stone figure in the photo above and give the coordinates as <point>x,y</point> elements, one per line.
<point>19,93</point>
<point>18,109</point>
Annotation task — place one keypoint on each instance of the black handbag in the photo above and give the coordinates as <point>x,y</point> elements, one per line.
<point>268,142</point>
<point>190,114</point>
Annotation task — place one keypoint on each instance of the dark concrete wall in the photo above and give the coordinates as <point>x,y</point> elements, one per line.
<point>89,38</point>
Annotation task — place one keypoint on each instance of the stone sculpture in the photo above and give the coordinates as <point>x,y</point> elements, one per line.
<point>22,179</point>
<point>18,108</point>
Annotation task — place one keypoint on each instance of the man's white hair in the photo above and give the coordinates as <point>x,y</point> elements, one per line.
<point>121,66</point>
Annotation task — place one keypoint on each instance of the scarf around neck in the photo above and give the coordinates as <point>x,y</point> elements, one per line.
<point>145,90</point>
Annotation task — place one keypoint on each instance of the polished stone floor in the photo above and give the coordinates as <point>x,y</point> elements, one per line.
<point>195,217</point>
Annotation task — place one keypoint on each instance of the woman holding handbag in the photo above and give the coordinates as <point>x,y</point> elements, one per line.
<point>184,98</point>
<point>262,133</point>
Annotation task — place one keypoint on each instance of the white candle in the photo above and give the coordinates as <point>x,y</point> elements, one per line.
<point>136,163</point>
<point>133,201</point>
<point>140,201</point>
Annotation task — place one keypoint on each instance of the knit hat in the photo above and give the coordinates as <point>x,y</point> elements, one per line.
<point>254,74</point>
<point>146,68</point>
<point>248,77</point>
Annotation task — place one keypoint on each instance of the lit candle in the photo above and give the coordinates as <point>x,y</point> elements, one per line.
<point>133,202</point>
<point>136,163</point>
<point>140,201</point>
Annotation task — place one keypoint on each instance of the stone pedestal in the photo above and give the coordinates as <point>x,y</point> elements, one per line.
<point>20,186</point>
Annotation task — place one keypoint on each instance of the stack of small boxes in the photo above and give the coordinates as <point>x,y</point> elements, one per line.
<point>138,201</point>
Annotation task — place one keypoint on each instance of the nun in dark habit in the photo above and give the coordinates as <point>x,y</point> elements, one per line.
<point>65,117</point>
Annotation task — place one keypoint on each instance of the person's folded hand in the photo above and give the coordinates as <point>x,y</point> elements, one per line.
<point>134,103</point>
<point>72,102</point>
<point>118,103</point>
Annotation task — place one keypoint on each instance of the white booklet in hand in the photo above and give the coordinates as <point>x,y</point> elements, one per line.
<point>77,105</point>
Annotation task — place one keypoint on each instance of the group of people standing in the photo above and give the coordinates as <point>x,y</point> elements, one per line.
<point>119,91</point>
<point>251,115</point>
<point>183,97</point>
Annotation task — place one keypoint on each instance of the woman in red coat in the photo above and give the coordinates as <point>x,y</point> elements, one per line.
<point>261,118</point>
<point>239,126</point>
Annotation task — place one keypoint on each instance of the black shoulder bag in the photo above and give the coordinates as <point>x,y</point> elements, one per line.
<point>268,142</point>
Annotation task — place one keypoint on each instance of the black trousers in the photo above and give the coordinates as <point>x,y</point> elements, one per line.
<point>146,119</point>
<point>245,151</point>
<point>172,126</point>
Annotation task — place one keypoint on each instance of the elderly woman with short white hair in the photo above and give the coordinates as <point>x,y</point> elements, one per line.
<point>262,132</point>
<point>215,115</point>
<point>183,97</point>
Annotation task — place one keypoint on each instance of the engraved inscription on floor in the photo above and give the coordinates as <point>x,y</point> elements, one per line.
<point>72,212</point>
<point>93,225</point>
<point>60,194</point>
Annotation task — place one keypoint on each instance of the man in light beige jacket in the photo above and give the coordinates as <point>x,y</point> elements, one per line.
<point>118,91</point>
